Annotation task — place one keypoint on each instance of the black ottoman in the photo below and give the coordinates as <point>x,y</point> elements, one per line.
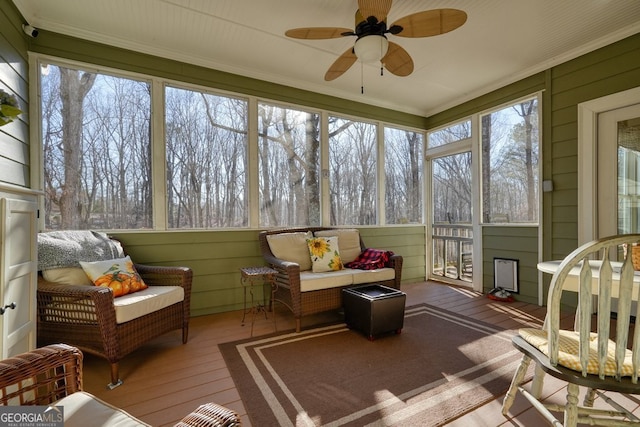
<point>374,309</point>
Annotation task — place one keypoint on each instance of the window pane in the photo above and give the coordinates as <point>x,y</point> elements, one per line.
<point>96,147</point>
<point>403,176</point>
<point>510,164</point>
<point>352,172</point>
<point>450,134</point>
<point>452,189</point>
<point>289,162</point>
<point>206,137</point>
<point>628,142</point>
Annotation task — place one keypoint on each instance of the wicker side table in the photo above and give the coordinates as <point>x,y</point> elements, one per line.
<point>250,277</point>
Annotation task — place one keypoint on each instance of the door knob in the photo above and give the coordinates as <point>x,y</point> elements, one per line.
<point>6,307</point>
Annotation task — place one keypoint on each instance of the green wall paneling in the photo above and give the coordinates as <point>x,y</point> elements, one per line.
<point>608,70</point>
<point>408,241</point>
<point>216,256</point>
<point>512,242</point>
<point>14,73</point>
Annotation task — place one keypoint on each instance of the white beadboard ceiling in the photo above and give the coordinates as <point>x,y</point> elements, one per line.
<point>501,42</point>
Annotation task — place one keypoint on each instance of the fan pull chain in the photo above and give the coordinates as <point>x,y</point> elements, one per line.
<point>382,53</point>
<point>361,78</point>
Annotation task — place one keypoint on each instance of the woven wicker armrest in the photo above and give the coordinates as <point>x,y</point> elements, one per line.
<point>41,376</point>
<point>395,262</point>
<point>277,262</point>
<point>291,267</point>
<point>284,267</point>
<point>75,304</point>
<point>154,275</point>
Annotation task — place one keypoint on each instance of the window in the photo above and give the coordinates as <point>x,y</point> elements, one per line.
<point>206,149</point>
<point>403,176</point>
<point>510,140</point>
<point>454,133</point>
<point>288,166</point>
<point>96,150</point>
<point>352,172</point>
<point>124,151</point>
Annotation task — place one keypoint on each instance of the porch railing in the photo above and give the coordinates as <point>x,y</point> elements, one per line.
<point>452,251</point>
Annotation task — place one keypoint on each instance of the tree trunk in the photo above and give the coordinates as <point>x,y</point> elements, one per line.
<point>74,86</point>
<point>486,168</point>
<point>312,165</point>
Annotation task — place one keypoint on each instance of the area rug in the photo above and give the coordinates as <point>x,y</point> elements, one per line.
<point>439,367</point>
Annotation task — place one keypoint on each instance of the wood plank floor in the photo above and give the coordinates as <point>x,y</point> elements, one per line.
<point>165,380</point>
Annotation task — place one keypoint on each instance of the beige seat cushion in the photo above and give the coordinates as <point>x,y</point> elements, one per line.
<point>348,242</point>
<point>127,307</point>
<point>291,247</point>
<point>82,409</point>
<point>361,277</point>
<point>568,346</point>
<point>154,298</point>
<point>333,279</point>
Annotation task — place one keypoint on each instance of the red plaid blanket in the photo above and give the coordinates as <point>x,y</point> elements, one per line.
<point>370,259</point>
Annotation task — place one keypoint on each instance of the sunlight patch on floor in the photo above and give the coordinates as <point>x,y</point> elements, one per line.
<point>469,293</point>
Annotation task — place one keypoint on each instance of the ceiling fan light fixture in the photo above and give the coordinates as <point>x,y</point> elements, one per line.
<point>371,48</point>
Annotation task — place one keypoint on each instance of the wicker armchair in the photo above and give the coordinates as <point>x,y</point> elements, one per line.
<point>40,377</point>
<point>306,303</point>
<point>84,316</point>
<point>48,374</point>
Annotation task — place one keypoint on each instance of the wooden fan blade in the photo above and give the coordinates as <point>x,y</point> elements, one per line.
<point>378,8</point>
<point>341,65</point>
<point>430,23</point>
<point>397,60</point>
<point>318,33</point>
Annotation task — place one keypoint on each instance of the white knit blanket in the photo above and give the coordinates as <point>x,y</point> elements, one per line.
<point>57,249</point>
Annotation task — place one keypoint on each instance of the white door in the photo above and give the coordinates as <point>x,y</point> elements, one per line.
<point>18,281</point>
<point>618,171</point>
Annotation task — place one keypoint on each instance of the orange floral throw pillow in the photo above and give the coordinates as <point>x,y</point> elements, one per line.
<point>118,274</point>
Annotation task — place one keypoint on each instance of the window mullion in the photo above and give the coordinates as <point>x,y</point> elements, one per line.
<point>252,142</point>
<point>381,220</point>
<point>158,156</point>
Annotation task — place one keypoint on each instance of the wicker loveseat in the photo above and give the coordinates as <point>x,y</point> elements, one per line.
<point>306,292</point>
<point>52,375</point>
<point>92,319</point>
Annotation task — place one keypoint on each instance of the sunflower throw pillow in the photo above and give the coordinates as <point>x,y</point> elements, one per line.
<point>325,255</point>
<point>118,274</point>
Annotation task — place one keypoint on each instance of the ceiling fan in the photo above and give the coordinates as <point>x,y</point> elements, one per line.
<point>372,44</point>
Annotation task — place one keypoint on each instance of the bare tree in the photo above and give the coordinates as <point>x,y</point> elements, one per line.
<point>289,158</point>
<point>485,148</point>
<point>403,176</point>
<point>74,86</point>
<point>352,160</point>
<point>526,111</point>
<point>452,188</point>
<point>312,163</point>
<point>97,150</point>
